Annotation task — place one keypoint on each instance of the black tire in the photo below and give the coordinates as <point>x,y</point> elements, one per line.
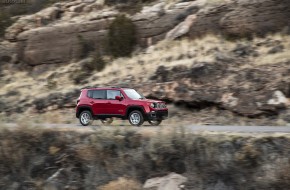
<point>155,122</point>
<point>86,115</point>
<point>107,121</point>
<point>139,119</point>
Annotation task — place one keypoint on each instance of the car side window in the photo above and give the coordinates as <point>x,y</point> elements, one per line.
<point>111,94</point>
<point>99,94</point>
<point>90,94</point>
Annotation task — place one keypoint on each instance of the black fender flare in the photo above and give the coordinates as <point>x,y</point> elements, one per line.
<point>135,107</point>
<point>81,108</point>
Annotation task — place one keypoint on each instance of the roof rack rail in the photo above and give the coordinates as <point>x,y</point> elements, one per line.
<point>89,87</point>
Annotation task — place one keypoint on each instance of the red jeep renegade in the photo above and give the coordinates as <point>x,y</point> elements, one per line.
<point>124,103</point>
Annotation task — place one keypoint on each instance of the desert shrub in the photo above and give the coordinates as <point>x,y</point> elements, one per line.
<point>13,93</point>
<point>79,76</point>
<point>51,84</point>
<point>87,67</point>
<point>121,37</point>
<point>5,22</point>
<point>86,47</point>
<point>248,157</point>
<point>99,62</point>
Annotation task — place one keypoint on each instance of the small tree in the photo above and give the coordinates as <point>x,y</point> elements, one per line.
<point>99,62</point>
<point>121,37</point>
<point>5,22</point>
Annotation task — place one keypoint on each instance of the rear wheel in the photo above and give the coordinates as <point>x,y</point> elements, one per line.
<point>107,121</point>
<point>155,122</point>
<point>86,118</point>
<point>136,118</point>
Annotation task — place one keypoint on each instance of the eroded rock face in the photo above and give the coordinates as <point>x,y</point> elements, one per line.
<point>247,92</point>
<point>153,23</point>
<point>243,18</point>
<point>61,43</point>
<point>258,17</point>
<point>49,36</point>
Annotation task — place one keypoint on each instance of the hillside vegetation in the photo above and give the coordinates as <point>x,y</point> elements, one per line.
<point>265,59</point>
<point>39,158</point>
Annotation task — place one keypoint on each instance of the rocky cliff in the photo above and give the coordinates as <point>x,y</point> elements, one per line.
<point>51,35</point>
<point>225,56</point>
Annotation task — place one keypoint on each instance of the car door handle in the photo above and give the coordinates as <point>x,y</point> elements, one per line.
<point>92,102</point>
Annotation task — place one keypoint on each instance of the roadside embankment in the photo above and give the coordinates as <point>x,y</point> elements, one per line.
<point>37,158</point>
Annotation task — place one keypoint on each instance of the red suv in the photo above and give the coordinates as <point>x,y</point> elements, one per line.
<point>124,103</point>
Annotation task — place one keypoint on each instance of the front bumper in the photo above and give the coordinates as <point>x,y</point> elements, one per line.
<point>157,115</point>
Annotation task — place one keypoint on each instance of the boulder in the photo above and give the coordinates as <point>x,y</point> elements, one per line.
<point>172,181</point>
<point>29,22</point>
<point>181,29</point>
<point>279,99</point>
<point>242,18</point>
<point>153,23</point>
<point>61,43</point>
<point>208,20</point>
<point>256,17</point>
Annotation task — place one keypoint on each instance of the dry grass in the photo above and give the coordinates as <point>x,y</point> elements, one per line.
<point>267,58</point>
<point>166,53</point>
<point>122,184</point>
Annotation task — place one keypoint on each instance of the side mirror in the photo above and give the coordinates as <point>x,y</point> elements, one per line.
<point>119,98</point>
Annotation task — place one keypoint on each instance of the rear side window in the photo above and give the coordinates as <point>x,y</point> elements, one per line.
<point>99,94</point>
<point>111,94</point>
<point>90,94</point>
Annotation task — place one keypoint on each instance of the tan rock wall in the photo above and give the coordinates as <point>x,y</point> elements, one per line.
<point>59,44</point>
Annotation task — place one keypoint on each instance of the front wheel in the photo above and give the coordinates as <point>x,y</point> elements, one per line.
<point>136,118</point>
<point>155,122</point>
<point>86,118</point>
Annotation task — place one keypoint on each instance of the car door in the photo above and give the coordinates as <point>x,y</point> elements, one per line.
<point>115,107</point>
<point>98,102</point>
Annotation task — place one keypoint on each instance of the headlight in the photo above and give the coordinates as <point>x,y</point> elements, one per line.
<point>153,105</point>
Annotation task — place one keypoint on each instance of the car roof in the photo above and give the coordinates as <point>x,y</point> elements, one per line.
<point>105,88</point>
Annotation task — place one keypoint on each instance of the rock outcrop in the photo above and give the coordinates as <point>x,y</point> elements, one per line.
<point>155,22</point>
<point>60,43</point>
<point>172,181</point>
<point>243,18</point>
<point>247,92</point>
<point>256,17</point>
<point>50,36</point>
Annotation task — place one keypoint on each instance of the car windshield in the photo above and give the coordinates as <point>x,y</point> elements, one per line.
<point>133,94</point>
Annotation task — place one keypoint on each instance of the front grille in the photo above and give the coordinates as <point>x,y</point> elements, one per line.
<point>161,105</point>
<point>162,113</point>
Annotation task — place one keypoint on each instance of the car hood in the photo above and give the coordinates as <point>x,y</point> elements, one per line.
<point>149,101</point>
